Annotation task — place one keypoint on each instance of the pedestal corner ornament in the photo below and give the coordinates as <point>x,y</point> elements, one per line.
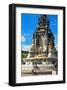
<point>36,44</point>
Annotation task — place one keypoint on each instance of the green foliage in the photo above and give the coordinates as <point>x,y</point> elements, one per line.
<point>24,54</point>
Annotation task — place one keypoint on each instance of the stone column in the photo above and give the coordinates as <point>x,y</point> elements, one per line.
<point>35,46</point>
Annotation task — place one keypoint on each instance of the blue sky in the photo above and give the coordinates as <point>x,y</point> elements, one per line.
<point>29,23</point>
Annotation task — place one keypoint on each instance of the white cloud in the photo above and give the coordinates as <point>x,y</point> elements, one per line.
<point>26,47</point>
<point>23,39</point>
